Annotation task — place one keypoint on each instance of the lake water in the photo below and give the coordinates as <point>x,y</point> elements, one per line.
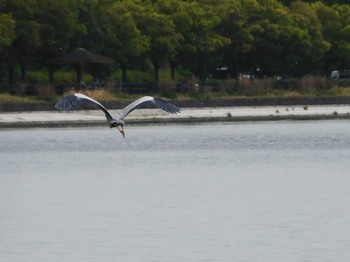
<point>250,191</point>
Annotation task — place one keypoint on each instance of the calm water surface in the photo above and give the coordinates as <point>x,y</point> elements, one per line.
<point>265,191</point>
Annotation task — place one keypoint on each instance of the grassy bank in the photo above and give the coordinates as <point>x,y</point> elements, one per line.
<point>108,96</point>
<point>181,89</point>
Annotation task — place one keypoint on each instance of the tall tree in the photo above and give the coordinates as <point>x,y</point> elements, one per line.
<point>58,25</point>
<point>195,21</point>
<point>326,2</point>
<point>27,38</point>
<point>7,30</point>
<point>336,30</point>
<point>128,42</point>
<point>164,39</point>
<point>278,40</point>
<point>7,35</point>
<point>98,31</point>
<point>234,25</point>
<point>307,20</point>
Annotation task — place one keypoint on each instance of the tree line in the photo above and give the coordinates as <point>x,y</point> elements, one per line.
<point>264,37</point>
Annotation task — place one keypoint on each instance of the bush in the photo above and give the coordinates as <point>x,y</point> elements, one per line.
<point>167,88</point>
<point>256,87</point>
<point>69,77</point>
<point>46,92</point>
<point>314,83</point>
<point>134,76</point>
<point>39,76</point>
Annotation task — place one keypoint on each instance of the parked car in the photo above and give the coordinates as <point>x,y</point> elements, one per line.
<point>336,74</point>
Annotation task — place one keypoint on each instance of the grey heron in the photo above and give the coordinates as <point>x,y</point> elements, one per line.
<point>71,100</point>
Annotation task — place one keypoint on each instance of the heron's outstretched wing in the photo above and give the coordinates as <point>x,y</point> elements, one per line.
<point>149,100</point>
<point>69,101</point>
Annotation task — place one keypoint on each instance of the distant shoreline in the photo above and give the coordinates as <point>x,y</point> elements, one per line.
<point>102,123</point>
<point>200,103</point>
<point>78,118</point>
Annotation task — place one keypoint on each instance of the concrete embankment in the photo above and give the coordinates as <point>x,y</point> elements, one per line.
<point>187,115</point>
<point>194,110</point>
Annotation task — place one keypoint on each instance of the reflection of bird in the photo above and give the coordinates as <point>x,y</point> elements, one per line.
<point>69,101</point>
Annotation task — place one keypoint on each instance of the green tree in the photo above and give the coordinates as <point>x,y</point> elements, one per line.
<point>326,2</point>
<point>98,31</point>
<point>279,42</point>
<point>307,20</point>
<point>128,42</point>
<point>195,22</point>
<point>58,25</point>
<point>234,26</point>
<point>7,30</point>
<point>164,39</point>
<point>333,2</point>
<point>7,35</point>
<point>27,34</point>
<point>98,27</point>
<point>335,29</point>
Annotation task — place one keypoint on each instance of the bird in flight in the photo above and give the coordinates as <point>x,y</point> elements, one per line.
<point>71,100</point>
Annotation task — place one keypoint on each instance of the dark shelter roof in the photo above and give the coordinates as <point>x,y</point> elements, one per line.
<point>80,55</point>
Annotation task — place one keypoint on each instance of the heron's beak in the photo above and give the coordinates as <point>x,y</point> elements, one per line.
<point>121,130</point>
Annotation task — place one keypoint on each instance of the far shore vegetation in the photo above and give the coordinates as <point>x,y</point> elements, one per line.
<point>38,90</point>
<point>177,49</point>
